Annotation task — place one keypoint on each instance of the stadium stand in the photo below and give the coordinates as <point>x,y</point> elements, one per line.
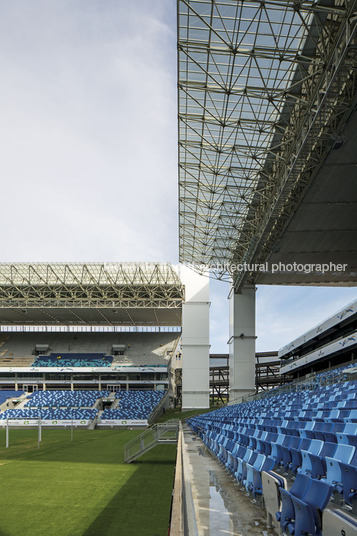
<point>139,348</point>
<point>73,360</point>
<point>70,399</point>
<point>50,414</point>
<point>306,432</point>
<point>67,405</point>
<point>134,405</point>
<point>5,395</point>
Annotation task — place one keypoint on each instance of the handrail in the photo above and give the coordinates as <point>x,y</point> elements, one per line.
<point>158,433</point>
<point>156,412</point>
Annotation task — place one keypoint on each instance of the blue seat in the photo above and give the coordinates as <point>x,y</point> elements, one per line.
<point>314,448</point>
<point>344,453</point>
<point>232,460</point>
<point>253,481</point>
<point>347,439</point>
<point>296,457</point>
<point>315,464</point>
<point>298,489</point>
<point>349,482</point>
<point>286,451</point>
<point>308,509</point>
<point>287,512</point>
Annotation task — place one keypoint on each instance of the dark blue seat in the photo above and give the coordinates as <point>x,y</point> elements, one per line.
<point>349,482</point>
<point>296,457</point>
<point>298,489</point>
<point>308,509</point>
<point>286,451</point>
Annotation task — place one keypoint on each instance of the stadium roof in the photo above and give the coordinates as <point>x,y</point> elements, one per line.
<point>264,87</point>
<point>90,293</point>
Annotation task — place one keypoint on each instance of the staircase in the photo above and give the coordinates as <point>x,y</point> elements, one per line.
<point>93,423</point>
<point>158,434</point>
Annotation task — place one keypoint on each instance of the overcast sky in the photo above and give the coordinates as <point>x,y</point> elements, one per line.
<point>89,148</point>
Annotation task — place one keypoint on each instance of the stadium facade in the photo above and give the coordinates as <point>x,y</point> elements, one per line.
<point>106,326</point>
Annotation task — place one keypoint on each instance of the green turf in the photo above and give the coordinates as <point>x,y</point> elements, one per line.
<point>83,487</point>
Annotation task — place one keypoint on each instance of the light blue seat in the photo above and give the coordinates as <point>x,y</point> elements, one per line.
<point>253,481</point>
<point>344,453</point>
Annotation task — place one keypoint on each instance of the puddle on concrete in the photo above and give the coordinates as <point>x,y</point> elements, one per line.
<point>221,507</point>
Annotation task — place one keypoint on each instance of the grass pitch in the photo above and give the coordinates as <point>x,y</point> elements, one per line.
<point>83,488</point>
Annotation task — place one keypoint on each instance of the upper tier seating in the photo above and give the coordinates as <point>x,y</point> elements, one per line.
<point>134,405</point>
<point>73,360</point>
<point>5,395</point>
<point>140,349</point>
<point>309,432</point>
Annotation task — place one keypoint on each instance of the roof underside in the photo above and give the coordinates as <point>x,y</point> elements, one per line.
<point>94,294</point>
<point>264,89</point>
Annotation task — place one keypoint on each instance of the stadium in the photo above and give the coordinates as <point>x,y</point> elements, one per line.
<point>116,418</point>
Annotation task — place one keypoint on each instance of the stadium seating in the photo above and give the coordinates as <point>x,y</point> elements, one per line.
<point>308,433</point>
<point>5,395</point>
<point>58,405</point>
<point>73,360</point>
<point>68,399</point>
<point>50,414</point>
<point>134,405</point>
<point>67,405</point>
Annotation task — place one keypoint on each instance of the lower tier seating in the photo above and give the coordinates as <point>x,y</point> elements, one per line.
<point>134,405</point>
<point>308,435</point>
<point>50,414</point>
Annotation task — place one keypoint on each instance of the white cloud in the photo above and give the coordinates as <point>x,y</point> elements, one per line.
<point>88,131</point>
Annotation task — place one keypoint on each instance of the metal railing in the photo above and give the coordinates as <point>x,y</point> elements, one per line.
<point>166,432</point>
<point>314,381</point>
<point>158,409</point>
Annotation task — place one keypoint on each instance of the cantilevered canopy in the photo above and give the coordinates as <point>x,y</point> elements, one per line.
<point>73,293</point>
<point>265,87</point>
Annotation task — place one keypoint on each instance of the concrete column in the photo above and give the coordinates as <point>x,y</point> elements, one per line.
<point>242,344</point>
<point>195,340</point>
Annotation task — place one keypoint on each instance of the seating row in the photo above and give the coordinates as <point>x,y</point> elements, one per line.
<point>134,405</point>
<point>310,435</point>
<point>50,414</point>
<point>60,398</point>
<point>73,360</point>
<point>5,395</point>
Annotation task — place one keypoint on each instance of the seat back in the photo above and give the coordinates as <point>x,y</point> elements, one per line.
<point>300,486</point>
<point>338,522</point>
<point>318,494</point>
<point>304,518</point>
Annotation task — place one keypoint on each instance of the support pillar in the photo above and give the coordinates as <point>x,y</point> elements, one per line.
<point>242,344</point>
<point>195,340</point>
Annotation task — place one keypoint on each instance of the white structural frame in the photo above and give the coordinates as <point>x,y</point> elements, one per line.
<point>265,88</point>
<point>85,285</point>
<point>195,339</point>
<point>242,343</point>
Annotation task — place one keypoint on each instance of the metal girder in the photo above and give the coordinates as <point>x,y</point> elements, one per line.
<point>264,86</point>
<point>119,285</point>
